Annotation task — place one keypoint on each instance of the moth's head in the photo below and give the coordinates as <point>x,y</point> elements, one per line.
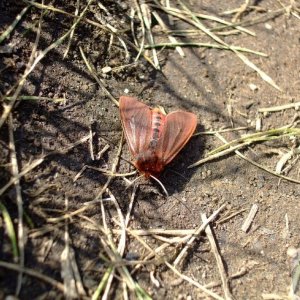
<point>149,163</point>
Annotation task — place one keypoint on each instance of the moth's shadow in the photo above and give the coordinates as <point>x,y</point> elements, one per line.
<point>177,174</point>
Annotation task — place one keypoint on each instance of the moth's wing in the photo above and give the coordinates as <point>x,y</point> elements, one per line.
<point>179,127</point>
<point>136,119</point>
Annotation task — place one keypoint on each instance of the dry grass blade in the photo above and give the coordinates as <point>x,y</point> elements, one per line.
<point>114,257</point>
<point>165,28</point>
<point>193,282</point>
<point>7,108</point>
<point>194,20</point>
<point>238,274</point>
<point>33,61</point>
<point>99,80</point>
<point>114,253</point>
<point>276,297</point>
<point>146,15</point>
<point>160,231</point>
<point>26,169</point>
<point>240,11</point>
<point>19,200</point>
<point>142,43</point>
<point>113,170</point>
<point>261,73</point>
<point>191,238</point>
<point>229,147</point>
<point>10,28</point>
<point>246,61</point>
<point>295,105</point>
<point>250,218</point>
<point>73,31</point>
<point>204,45</point>
<point>106,27</point>
<point>215,250</point>
<point>258,165</point>
<point>36,98</point>
<point>269,15</point>
<point>294,260</point>
<point>221,131</point>
<point>73,287</point>
<point>121,247</point>
<point>169,10</point>
<point>57,285</point>
<point>260,136</point>
<point>38,161</point>
<point>284,159</point>
<point>122,240</point>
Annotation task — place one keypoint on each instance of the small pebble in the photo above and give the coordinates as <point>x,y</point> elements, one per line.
<point>268,26</point>
<point>253,87</point>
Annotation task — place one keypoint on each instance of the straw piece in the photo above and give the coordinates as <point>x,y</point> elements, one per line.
<point>219,260</point>
<point>250,218</point>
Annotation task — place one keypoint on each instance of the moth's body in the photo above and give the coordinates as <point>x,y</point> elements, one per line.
<point>154,138</point>
<point>148,160</point>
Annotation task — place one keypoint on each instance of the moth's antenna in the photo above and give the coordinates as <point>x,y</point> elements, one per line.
<point>166,192</point>
<point>132,182</point>
<point>160,183</point>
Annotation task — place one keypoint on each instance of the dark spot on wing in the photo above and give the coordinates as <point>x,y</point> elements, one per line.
<point>155,135</point>
<point>153,144</point>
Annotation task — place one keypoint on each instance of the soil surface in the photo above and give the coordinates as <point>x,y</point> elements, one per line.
<point>74,120</point>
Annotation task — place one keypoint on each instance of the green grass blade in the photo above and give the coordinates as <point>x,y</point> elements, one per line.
<point>10,230</point>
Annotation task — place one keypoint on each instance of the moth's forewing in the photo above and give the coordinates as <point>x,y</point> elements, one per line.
<point>136,120</point>
<point>178,129</point>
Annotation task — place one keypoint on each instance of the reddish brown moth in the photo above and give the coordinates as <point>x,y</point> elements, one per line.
<point>154,138</point>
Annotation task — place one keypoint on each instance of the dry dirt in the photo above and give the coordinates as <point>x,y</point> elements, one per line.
<point>206,82</point>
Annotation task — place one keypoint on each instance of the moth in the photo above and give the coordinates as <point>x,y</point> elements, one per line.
<point>153,137</point>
